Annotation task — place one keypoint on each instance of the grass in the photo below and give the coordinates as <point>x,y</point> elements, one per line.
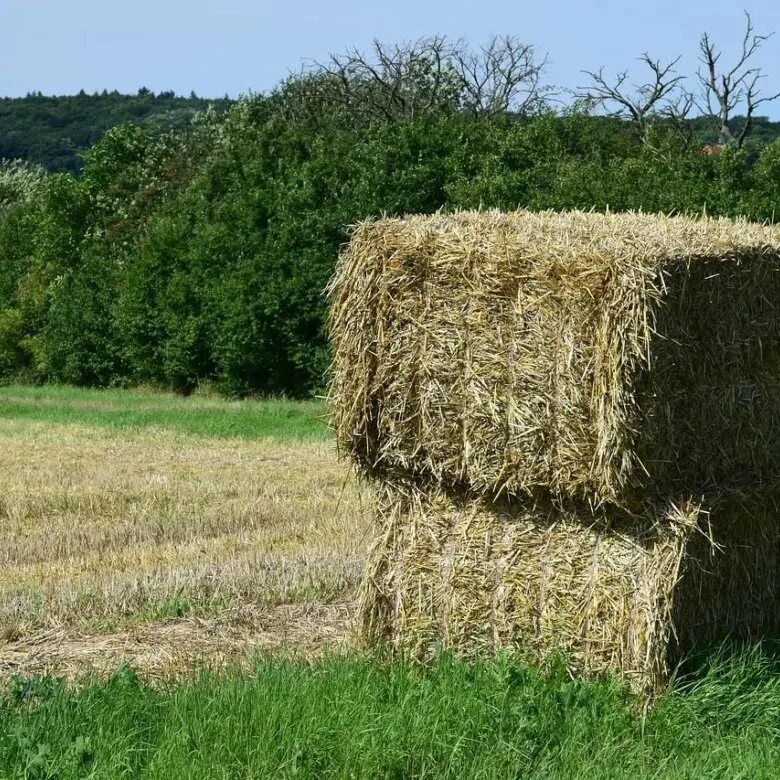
<point>348,717</point>
<point>123,410</point>
<point>114,514</point>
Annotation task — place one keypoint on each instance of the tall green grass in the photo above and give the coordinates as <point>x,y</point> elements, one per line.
<point>352,717</point>
<point>198,415</point>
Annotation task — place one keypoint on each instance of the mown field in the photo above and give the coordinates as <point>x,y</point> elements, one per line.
<point>176,589</point>
<point>159,530</point>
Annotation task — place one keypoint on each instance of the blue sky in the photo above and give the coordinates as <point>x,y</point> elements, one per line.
<point>233,46</point>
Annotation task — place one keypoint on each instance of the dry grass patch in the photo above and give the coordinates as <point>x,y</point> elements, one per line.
<point>100,531</point>
<point>172,649</point>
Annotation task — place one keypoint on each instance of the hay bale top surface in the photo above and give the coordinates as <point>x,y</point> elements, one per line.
<point>572,238</point>
<point>587,355</point>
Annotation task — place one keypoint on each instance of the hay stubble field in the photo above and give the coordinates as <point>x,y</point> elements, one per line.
<point>164,542</point>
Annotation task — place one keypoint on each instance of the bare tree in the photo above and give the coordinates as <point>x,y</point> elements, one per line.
<point>677,111</point>
<point>660,95</point>
<point>724,91</point>
<point>401,80</point>
<point>501,76</point>
<point>431,74</point>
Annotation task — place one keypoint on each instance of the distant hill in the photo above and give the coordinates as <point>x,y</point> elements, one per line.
<point>51,130</point>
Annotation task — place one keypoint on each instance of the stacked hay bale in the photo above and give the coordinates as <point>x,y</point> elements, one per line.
<point>572,422</point>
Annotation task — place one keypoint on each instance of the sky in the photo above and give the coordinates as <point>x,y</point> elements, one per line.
<point>236,46</point>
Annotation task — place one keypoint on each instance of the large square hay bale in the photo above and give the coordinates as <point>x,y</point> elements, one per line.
<point>572,425</point>
<point>586,356</point>
<point>608,591</point>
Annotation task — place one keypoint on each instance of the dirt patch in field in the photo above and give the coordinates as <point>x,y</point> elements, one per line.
<point>178,647</point>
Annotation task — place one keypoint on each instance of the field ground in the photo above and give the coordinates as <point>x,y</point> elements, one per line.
<point>122,410</point>
<point>176,587</point>
<point>168,531</point>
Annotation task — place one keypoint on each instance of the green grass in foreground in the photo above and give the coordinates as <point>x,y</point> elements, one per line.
<point>198,415</point>
<point>350,717</point>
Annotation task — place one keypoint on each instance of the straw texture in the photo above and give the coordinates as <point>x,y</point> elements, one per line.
<point>476,577</point>
<point>731,583</point>
<point>610,592</point>
<point>590,356</point>
<point>571,424</point>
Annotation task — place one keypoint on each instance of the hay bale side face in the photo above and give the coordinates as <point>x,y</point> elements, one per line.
<point>730,582</point>
<point>709,400</point>
<point>473,577</point>
<point>511,353</point>
<point>611,593</point>
<point>455,357</point>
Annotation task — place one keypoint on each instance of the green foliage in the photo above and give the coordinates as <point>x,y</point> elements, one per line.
<point>52,131</point>
<point>20,183</point>
<point>201,256</point>
<point>354,717</point>
<point>763,188</point>
<point>12,356</point>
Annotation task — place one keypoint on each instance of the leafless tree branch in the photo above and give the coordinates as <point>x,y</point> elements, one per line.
<point>639,103</point>
<point>431,74</point>
<point>501,76</point>
<point>677,112</point>
<point>723,91</point>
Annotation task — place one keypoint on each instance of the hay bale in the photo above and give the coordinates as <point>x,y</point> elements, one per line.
<point>536,399</point>
<point>608,590</point>
<point>596,357</point>
<point>730,588</point>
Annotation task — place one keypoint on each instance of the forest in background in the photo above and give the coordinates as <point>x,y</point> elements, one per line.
<point>196,251</point>
<point>53,131</point>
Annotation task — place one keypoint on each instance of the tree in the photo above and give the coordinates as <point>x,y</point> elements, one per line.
<point>640,104</point>
<point>723,91</point>
<point>502,76</point>
<point>419,78</point>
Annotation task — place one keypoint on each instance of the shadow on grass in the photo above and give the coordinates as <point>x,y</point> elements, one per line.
<point>752,662</point>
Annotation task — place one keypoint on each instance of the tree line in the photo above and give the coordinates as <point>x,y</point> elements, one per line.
<point>53,130</point>
<point>200,256</point>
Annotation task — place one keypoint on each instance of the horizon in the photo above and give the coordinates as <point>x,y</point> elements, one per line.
<point>240,47</point>
<point>757,117</point>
